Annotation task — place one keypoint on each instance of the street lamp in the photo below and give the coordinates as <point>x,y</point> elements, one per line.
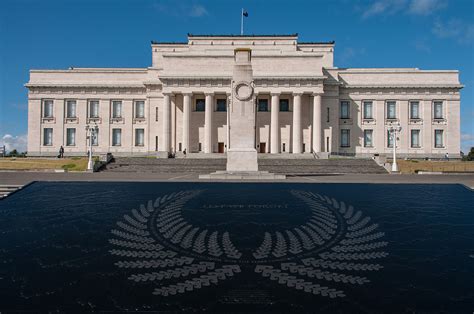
<point>91,134</point>
<point>394,129</point>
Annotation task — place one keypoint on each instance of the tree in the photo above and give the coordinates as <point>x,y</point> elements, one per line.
<point>470,155</point>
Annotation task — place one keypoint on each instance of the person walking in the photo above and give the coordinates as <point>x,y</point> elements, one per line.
<point>61,152</point>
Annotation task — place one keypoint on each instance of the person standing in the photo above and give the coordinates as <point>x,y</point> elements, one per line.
<point>184,152</point>
<point>61,152</point>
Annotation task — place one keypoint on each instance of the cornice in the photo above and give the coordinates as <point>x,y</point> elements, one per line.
<point>83,85</point>
<point>417,86</point>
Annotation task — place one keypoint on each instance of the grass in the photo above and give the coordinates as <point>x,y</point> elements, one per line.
<point>413,166</point>
<point>71,164</point>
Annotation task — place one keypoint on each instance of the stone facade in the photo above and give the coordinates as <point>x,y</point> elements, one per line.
<point>304,103</point>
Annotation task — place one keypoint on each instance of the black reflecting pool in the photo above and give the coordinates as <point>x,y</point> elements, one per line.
<point>225,247</point>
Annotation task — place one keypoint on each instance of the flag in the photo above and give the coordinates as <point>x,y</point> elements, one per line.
<point>245,13</point>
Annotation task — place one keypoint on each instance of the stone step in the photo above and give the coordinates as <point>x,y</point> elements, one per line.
<point>280,166</point>
<point>6,190</point>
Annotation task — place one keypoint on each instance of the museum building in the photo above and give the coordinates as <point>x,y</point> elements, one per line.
<point>304,103</point>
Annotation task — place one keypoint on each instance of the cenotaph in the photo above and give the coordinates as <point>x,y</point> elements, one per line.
<point>242,162</point>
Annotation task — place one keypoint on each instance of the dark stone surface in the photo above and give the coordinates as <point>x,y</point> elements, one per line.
<point>229,247</point>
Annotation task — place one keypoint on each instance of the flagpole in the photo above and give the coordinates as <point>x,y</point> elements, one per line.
<point>242,22</point>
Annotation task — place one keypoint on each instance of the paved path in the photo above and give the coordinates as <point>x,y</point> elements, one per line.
<point>22,177</point>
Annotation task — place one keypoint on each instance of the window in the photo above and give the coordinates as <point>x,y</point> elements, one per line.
<point>368,138</point>
<point>263,105</point>
<point>156,114</point>
<point>221,105</point>
<point>70,109</point>
<point>139,109</point>
<point>344,109</point>
<point>438,109</point>
<point>389,139</point>
<point>415,138</point>
<point>200,105</point>
<point>391,110</point>
<point>439,139</point>
<point>414,110</point>
<point>116,137</point>
<point>95,137</point>
<point>139,137</point>
<point>200,147</point>
<point>327,113</point>
<point>48,109</point>
<point>93,109</point>
<point>116,109</point>
<point>48,137</point>
<point>368,110</point>
<point>284,105</point>
<point>345,135</point>
<point>70,137</point>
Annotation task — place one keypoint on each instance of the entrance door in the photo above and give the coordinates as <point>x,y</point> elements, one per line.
<point>220,147</point>
<point>263,147</point>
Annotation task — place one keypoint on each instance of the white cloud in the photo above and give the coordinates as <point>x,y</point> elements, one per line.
<point>456,29</point>
<point>197,10</point>
<point>425,7</point>
<point>390,7</point>
<point>380,7</point>
<point>180,9</point>
<point>422,46</point>
<point>467,141</point>
<point>11,142</point>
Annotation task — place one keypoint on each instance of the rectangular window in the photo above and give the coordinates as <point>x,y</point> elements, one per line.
<point>389,139</point>
<point>70,109</point>
<point>391,110</point>
<point>139,137</point>
<point>368,138</point>
<point>439,139</point>
<point>438,109</point>
<point>139,109</point>
<point>93,109</point>
<point>327,113</point>
<point>345,136</point>
<point>48,137</point>
<point>263,105</point>
<point>221,105</point>
<point>48,109</point>
<point>368,110</point>
<point>284,105</point>
<point>200,105</point>
<point>116,137</point>
<point>95,137</point>
<point>156,114</point>
<point>71,137</point>
<point>415,138</point>
<point>414,110</point>
<point>200,147</point>
<point>116,109</point>
<point>344,109</point>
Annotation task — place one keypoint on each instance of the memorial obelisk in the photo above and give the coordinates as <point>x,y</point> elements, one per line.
<point>241,152</point>
<point>242,160</point>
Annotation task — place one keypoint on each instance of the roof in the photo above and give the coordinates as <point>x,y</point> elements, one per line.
<point>168,42</point>
<point>249,35</point>
<point>317,42</point>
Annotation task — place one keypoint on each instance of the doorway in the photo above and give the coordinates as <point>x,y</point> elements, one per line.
<point>263,148</point>
<point>220,147</point>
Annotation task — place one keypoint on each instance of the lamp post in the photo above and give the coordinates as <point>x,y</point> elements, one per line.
<point>91,133</point>
<point>394,129</point>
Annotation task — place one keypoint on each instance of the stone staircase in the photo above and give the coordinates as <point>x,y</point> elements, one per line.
<point>6,190</point>
<point>278,166</point>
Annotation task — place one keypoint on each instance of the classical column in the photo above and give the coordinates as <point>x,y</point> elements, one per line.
<point>227,144</point>
<point>275,124</point>
<point>208,123</point>
<point>297,132</point>
<point>166,123</point>
<point>173,124</point>
<point>186,120</point>
<point>316,123</point>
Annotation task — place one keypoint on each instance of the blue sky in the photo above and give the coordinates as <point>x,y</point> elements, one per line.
<point>429,34</point>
